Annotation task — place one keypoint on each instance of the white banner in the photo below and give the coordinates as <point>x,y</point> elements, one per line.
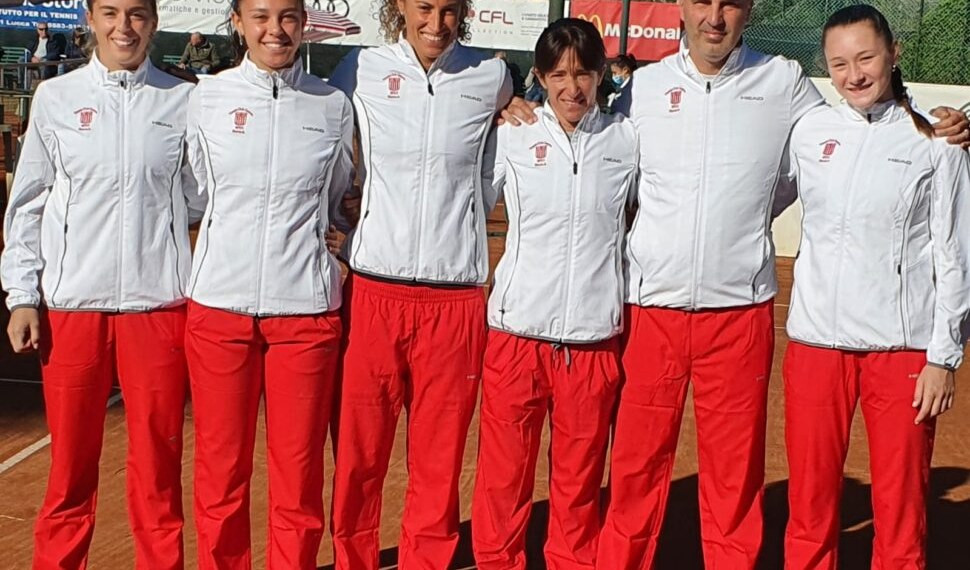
<point>495,24</point>
<point>787,227</point>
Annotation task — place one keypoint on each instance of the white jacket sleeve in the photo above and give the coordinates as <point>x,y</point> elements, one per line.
<point>342,178</point>
<point>805,95</point>
<point>195,200</point>
<point>493,167</point>
<point>950,232</point>
<point>22,261</point>
<point>196,159</point>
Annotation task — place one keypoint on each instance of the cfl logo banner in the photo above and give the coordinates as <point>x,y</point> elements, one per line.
<point>654,31</point>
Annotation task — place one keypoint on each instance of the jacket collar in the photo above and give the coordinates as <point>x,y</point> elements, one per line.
<point>405,51</point>
<point>267,79</point>
<point>586,125</point>
<point>134,79</point>
<point>880,113</point>
<point>733,65</point>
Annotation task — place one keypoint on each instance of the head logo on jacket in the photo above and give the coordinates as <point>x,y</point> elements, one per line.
<point>240,118</point>
<point>85,117</point>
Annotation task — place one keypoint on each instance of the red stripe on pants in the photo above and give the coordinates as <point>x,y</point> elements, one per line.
<point>233,360</point>
<point>822,388</point>
<point>85,351</point>
<point>522,380</point>
<point>726,354</point>
<point>420,348</point>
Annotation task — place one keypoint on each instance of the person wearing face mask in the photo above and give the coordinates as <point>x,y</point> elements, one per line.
<point>271,147</point>
<point>419,259</point>
<point>621,71</point>
<point>95,268</point>
<point>882,288</point>
<point>555,309</point>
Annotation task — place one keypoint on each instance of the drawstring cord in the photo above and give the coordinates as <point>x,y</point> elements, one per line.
<point>558,346</point>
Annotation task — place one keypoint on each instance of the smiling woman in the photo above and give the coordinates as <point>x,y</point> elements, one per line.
<point>123,31</point>
<point>270,31</point>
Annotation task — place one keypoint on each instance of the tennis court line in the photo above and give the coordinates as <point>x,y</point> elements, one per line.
<point>41,443</point>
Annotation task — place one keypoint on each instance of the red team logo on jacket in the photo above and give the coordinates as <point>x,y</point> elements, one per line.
<point>393,85</point>
<point>541,151</point>
<point>675,95</point>
<point>85,117</point>
<point>828,149</point>
<point>240,117</point>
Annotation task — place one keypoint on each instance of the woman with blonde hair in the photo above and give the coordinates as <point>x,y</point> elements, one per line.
<point>419,259</point>
<point>95,267</point>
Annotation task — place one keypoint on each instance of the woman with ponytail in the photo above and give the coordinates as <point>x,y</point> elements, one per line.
<point>271,147</point>
<point>882,289</point>
<point>95,268</point>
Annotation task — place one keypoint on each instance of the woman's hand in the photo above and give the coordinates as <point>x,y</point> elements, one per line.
<point>24,329</point>
<point>934,392</point>
<point>518,111</point>
<point>953,125</point>
<point>332,237</point>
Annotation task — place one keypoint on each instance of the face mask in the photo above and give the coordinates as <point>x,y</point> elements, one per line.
<point>618,80</point>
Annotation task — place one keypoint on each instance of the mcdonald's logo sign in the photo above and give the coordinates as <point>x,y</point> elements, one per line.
<point>654,29</point>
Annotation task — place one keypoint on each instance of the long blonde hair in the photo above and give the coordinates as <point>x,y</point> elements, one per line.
<point>392,20</point>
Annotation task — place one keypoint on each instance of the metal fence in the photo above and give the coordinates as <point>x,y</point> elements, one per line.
<point>934,34</point>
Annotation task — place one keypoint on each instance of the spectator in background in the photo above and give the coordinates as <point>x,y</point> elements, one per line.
<point>77,48</point>
<point>199,56</point>
<point>46,47</point>
<point>622,70</point>
<point>518,86</point>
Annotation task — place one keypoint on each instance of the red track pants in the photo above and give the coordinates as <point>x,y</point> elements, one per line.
<point>822,387</point>
<point>233,359</point>
<point>726,354</point>
<point>84,352</point>
<point>523,380</point>
<point>420,348</point>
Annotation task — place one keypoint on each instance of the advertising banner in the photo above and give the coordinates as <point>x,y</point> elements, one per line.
<point>495,24</point>
<point>61,16</point>
<point>654,27</point>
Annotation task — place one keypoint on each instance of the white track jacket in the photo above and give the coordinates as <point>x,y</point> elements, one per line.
<point>422,136</point>
<point>884,261</point>
<point>561,277</point>
<point>710,153</point>
<point>273,153</point>
<point>98,216</point>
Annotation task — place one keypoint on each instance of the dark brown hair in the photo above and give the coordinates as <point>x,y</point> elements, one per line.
<point>236,42</point>
<point>626,61</point>
<point>570,33</point>
<point>860,13</point>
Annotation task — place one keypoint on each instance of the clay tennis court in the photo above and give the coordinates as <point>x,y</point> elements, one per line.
<point>24,462</point>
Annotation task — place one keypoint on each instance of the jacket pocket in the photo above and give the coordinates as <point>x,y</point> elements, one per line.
<point>917,295</point>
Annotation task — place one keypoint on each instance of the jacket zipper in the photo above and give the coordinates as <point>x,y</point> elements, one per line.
<point>842,229</point>
<point>515,259</point>
<point>694,286</point>
<point>422,186</point>
<point>123,141</point>
<point>575,189</point>
<point>267,191</point>
<point>901,274</point>
<point>67,208</point>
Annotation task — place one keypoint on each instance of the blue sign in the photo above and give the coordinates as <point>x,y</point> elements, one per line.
<point>60,15</point>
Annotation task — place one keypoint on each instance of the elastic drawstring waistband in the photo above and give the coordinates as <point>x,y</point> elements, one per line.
<point>557,346</point>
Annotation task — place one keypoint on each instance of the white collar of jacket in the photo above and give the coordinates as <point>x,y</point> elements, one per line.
<point>108,78</point>
<point>880,113</point>
<point>585,125</point>
<point>733,65</point>
<point>405,51</point>
<point>290,76</point>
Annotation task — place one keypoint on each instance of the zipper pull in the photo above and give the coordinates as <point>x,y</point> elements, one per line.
<point>708,87</point>
<point>124,84</point>
<point>276,90</point>
<point>899,269</point>
<point>575,168</point>
<point>430,88</point>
